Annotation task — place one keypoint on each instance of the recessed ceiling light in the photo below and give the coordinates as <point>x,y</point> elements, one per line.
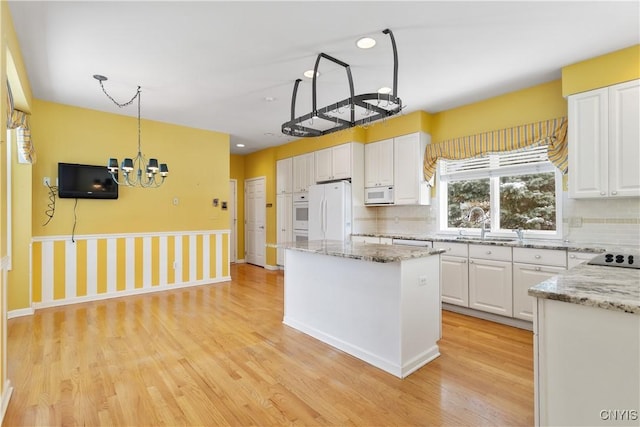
<point>309,74</point>
<point>366,43</point>
<point>384,90</point>
<point>269,98</point>
<point>240,145</point>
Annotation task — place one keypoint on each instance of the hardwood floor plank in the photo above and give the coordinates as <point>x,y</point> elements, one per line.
<point>219,355</point>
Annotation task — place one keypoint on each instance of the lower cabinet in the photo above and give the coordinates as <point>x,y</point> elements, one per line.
<point>524,277</point>
<point>284,223</point>
<point>490,286</point>
<point>454,272</point>
<point>530,267</point>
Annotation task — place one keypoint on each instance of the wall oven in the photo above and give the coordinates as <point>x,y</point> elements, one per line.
<point>300,211</point>
<point>300,236</point>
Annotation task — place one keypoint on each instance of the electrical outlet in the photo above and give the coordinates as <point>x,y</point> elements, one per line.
<point>175,265</point>
<point>422,281</point>
<point>46,181</point>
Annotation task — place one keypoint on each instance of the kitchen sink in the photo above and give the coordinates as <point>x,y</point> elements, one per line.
<point>487,239</point>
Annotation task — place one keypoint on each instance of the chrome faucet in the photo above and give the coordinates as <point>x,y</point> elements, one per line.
<point>520,233</point>
<point>484,218</point>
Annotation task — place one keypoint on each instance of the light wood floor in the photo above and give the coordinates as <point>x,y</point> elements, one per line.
<point>220,355</point>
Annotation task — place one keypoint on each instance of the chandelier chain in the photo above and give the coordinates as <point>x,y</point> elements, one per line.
<point>129,102</point>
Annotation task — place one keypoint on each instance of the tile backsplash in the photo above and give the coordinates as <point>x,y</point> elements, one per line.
<point>612,221</point>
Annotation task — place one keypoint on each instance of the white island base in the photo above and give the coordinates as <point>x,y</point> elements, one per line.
<point>385,313</point>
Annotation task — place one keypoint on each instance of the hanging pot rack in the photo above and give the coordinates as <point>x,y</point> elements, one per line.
<point>376,106</point>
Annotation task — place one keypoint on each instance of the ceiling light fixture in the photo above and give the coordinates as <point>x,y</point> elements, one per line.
<point>384,90</point>
<point>309,74</point>
<point>366,43</point>
<point>240,145</point>
<point>146,179</point>
<point>369,106</point>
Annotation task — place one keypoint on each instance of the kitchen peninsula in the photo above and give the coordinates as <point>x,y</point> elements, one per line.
<point>379,303</point>
<point>587,346</point>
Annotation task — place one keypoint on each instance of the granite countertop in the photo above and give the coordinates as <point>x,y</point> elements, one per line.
<point>514,243</point>
<point>362,251</point>
<point>596,286</point>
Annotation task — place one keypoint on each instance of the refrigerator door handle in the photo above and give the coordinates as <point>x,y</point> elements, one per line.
<point>323,214</point>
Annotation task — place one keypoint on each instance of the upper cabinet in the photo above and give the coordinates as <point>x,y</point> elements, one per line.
<point>378,163</point>
<point>604,142</point>
<point>303,172</point>
<point>410,188</point>
<point>335,163</point>
<point>284,176</point>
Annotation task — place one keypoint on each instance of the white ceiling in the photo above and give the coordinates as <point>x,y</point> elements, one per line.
<point>211,64</point>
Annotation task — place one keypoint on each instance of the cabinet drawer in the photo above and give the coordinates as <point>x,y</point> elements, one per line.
<point>577,258</point>
<point>454,249</point>
<point>499,253</point>
<point>552,257</point>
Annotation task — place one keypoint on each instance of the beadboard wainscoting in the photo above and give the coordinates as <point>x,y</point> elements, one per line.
<point>93,267</point>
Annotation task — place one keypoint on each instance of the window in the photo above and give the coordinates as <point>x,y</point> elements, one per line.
<point>502,192</point>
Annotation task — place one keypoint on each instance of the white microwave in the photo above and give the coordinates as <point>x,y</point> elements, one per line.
<point>378,195</point>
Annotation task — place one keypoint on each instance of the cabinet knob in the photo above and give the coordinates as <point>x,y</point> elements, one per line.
<point>572,256</point>
<point>537,268</point>
<point>614,193</point>
<point>602,193</point>
<point>470,262</point>
<point>488,252</point>
<point>537,257</point>
<point>464,261</point>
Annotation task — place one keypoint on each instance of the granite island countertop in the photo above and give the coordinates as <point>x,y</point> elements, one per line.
<point>362,251</point>
<point>596,286</point>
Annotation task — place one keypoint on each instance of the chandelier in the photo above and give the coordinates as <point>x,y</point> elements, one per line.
<point>353,111</point>
<point>132,168</point>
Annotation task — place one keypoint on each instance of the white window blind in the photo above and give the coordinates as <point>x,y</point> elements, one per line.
<point>530,160</point>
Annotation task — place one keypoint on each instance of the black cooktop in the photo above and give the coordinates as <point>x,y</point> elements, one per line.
<point>617,259</point>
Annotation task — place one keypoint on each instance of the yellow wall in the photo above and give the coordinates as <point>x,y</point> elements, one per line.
<point>263,164</point>
<point>198,163</point>
<point>605,70</point>
<point>236,171</point>
<point>541,102</point>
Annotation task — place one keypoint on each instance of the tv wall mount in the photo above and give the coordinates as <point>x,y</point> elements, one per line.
<point>369,107</point>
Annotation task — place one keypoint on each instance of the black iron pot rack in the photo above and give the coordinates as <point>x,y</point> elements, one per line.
<point>295,126</point>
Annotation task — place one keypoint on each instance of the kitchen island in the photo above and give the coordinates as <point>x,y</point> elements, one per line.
<point>379,303</point>
<point>587,347</point>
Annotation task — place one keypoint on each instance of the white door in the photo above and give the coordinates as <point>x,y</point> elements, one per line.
<point>624,134</point>
<point>255,240</point>
<point>233,220</point>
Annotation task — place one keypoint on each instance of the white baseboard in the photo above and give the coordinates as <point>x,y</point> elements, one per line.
<point>239,261</point>
<point>139,291</point>
<point>509,321</point>
<point>20,312</point>
<point>271,267</point>
<point>6,396</point>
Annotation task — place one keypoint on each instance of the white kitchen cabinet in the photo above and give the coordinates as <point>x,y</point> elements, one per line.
<point>378,163</point>
<point>303,172</point>
<point>365,239</point>
<point>577,258</point>
<point>604,142</point>
<point>454,273</point>
<point>284,176</point>
<point>586,366</point>
<point>530,267</point>
<point>490,279</point>
<point>410,188</point>
<point>284,223</point>
<point>334,163</point>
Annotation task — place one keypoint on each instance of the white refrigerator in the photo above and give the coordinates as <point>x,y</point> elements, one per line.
<point>330,211</point>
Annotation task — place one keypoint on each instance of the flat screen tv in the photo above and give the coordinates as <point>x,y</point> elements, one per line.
<point>85,182</point>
